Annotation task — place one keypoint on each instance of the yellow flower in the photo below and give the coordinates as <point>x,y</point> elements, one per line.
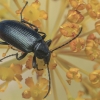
<point>95,78</point>
<point>69,29</point>
<point>6,74</point>
<point>33,13</point>
<point>80,94</point>
<point>73,74</point>
<point>11,73</point>
<point>93,8</point>
<point>40,62</point>
<point>77,4</point>
<point>36,91</point>
<point>26,94</point>
<point>17,68</point>
<point>92,49</point>
<point>29,62</point>
<point>3,13</point>
<point>77,45</point>
<point>75,16</point>
<point>97,26</point>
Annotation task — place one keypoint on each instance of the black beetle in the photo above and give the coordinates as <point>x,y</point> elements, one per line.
<point>27,39</point>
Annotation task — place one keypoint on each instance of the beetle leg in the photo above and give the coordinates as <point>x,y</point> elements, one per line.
<point>22,10</point>
<point>43,36</point>
<point>48,42</point>
<point>3,43</point>
<point>4,54</point>
<point>21,57</point>
<point>14,49</point>
<point>34,63</point>
<point>31,25</point>
<point>23,21</point>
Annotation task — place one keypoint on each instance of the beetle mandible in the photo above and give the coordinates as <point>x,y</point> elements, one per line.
<point>28,39</point>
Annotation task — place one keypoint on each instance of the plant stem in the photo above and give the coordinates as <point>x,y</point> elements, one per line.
<point>17,4</point>
<point>64,4</point>
<point>63,83</point>
<point>91,90</point>
<point>71,65</point>
<point>9,9</point>
<point>60,64</point>
<point>47,22</point>
<point>87,33</point>
<point>54,86</point>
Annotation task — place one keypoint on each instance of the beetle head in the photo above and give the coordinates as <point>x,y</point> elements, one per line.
<point>41,51</point>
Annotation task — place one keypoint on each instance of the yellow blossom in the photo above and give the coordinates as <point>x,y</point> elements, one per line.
<point>11,73</point>
<point>3,13</point>
<point>74,74</point>
<point>29,62</point>
<point>36,91</point>
<point>95,78</point>
<point>77,4</point>
<point>92,47</point>
<point>97,26</point>
<point>33,13</point>
<point>41,65</point>
<point>77,44</point>
<point>26,94</point>
<point>69,29</point>
<point>75,16</point>
<point>80,94</point>
<point>93,8</point>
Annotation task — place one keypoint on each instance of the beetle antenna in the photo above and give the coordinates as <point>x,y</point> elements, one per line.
<point>49,81</point>
<point>68,41</point>
<point>7,57</point>
<point>23,9</point>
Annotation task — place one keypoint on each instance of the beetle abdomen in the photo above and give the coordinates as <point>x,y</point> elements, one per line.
<point>19,35</point>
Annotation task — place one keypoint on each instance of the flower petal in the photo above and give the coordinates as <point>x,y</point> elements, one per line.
<point>37,23</point>
<point>43,82</point>
<point>29,62</point>
<point>26,94</point>
<point>29,82</point>
<point>17,68</point>
<point>19,77</point>
<point>43,15</point>
<point>36,4</point>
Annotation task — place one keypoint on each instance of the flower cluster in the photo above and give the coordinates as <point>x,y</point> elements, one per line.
<point>11,73</point>
<point>69,29</point>
<point>93,8</point>
<point>77,4</point>
<point>41,64</point>
<point>74,74</point>
<point>95,78</point>
<point>36,91</point>
<point>77,45</point>
<point>92,47</point>
<point>97,26</point>
<point>75,16</point>
<point>33,13</point>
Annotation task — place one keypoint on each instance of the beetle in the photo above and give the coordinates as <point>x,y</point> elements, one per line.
<point>28,39</point>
